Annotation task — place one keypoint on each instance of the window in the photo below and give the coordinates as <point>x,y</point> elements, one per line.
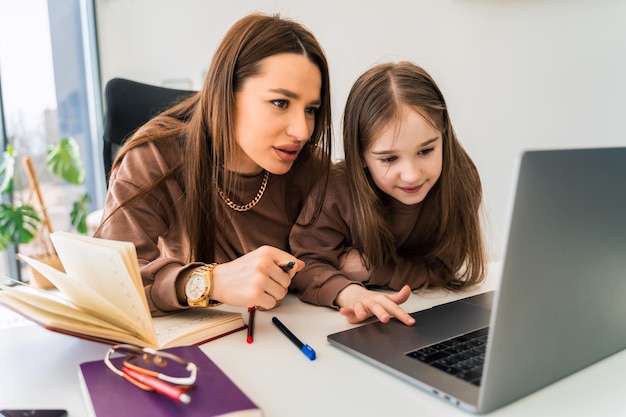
<point>49,89</point>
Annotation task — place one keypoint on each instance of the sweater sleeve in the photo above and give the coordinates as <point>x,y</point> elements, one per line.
<point>152,223</point>
<point>407,271</point>
<point>322,246</point>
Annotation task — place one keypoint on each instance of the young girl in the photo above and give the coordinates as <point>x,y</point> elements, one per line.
<point>209,189</point>
<point>401,211</point>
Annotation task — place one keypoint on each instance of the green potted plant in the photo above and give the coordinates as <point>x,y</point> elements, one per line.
<point>21,220</point>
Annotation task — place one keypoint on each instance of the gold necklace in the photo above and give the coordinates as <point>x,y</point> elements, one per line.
<point>230,203</point>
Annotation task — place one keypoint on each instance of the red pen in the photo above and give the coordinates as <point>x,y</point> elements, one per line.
<point>251,311</point>
<point>162,387</point>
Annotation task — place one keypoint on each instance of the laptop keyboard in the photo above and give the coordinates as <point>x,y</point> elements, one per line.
<point>462,356</point>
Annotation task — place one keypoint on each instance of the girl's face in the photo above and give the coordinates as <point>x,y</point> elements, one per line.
<point>405,161</point>
<point>275,114</point>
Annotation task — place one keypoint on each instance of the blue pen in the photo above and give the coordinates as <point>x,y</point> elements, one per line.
<point>306,349</point>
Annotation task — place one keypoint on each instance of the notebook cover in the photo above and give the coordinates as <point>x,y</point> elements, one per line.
<point>107,394</point>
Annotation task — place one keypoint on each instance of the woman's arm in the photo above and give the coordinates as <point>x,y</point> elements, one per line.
<point>157,214</point>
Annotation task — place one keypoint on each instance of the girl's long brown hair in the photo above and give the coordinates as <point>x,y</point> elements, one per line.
<point>204,126</point>
<point>374,103</point>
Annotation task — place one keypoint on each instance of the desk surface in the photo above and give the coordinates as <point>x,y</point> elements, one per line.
<point>39,369</point>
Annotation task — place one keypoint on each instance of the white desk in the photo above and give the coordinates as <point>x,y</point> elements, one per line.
<point>39,369</point>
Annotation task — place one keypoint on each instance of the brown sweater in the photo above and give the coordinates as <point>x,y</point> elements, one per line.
<point>332,235</point>
<point>155,224</point>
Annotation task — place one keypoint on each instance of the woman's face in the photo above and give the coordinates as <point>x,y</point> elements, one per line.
<point>275,114</point>
<point>406,160</point>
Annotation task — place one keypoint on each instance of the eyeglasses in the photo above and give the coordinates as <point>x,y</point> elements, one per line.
<point>135,370</point>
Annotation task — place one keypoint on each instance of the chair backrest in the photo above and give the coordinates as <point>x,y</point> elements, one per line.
<point>127,106</point>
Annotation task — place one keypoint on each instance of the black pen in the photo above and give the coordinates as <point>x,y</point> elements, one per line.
<point>252,310</point>
<point>288,266</point>
<point>306,349</point>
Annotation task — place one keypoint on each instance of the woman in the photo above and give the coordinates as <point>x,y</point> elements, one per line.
<point>401,211</point>
<point>209,189</point>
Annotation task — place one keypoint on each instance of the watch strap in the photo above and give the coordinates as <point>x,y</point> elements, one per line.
<point>205,301</point>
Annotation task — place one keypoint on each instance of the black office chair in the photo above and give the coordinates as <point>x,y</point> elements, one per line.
<point>128,105</point>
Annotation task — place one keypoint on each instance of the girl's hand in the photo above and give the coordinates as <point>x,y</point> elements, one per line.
<point>358,303</point>
<point>255,279</point>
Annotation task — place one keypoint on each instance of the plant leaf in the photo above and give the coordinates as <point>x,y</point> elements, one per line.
<point>18,224</point>
<point>79,213</point>
<point>63,159</point>
<point>7,170</point>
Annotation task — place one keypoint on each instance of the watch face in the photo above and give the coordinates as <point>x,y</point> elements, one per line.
<point>195,287</point>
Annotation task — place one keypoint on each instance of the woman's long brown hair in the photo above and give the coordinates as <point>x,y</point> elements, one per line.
<point>204,125</point>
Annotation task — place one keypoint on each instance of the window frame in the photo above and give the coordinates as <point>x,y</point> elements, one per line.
<point>96,186</point>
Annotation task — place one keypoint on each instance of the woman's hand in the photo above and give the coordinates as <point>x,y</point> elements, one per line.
<point>358,303</point>
<point>255,279</point>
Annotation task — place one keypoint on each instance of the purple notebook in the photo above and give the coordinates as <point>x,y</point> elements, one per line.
<point>107,394</point>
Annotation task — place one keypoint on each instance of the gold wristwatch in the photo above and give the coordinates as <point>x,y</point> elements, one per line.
<point>199,287</point>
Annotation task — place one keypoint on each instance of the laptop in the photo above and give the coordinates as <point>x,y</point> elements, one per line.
<point>561,303</point>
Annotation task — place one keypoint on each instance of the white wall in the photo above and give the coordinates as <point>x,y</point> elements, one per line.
<point>517,74</point>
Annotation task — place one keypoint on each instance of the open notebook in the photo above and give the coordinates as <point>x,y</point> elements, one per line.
<point>561,305</point>
<point>101,297</point>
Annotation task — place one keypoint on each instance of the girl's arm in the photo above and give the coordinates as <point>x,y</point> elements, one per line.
<point>322,245</point>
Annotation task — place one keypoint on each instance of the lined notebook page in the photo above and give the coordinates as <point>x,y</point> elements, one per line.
<point>103,266</point>
<point>81,295</point>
